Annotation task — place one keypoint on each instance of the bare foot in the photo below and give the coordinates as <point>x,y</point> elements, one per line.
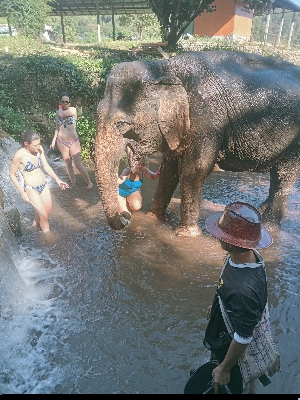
<point>90,185</point>
<point>49,238</point>
<point>188,231</point>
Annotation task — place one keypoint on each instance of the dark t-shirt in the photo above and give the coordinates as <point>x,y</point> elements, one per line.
<point>243,290</point>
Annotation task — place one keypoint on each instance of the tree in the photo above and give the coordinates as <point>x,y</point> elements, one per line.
<point>28,16</point>
<point>258,6</point>
<point>176,15</point>
<point>139,22</point>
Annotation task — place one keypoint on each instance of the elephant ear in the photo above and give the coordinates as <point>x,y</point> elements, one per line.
<point>173,110</point>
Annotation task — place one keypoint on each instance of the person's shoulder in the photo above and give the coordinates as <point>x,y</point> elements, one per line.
<point>19,153</point>
<point>126,170</point>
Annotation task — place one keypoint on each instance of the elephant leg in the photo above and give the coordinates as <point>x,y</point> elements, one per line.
<point>190,193</point>
<point>282,179</point>
<point>168,182</point>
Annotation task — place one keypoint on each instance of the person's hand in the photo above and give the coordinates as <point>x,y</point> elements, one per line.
<point>220,376</point>
<point>24,196</point>
<point>62,185</point>
<point>52,145</point>
<point>208,312</point>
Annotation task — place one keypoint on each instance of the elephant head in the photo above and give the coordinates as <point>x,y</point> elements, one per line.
<point>144,107</point>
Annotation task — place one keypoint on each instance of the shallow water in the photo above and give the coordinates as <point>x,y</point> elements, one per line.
<point>107,312</point>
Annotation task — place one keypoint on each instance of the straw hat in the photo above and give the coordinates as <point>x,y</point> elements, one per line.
<point>240,225</point>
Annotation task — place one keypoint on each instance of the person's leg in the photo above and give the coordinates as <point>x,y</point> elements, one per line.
<point>123,205</point>
<point>38,204</point>
<point>75,153</point>
<point>47,199</point>
<point>135,201</point>
<point>65,152</point>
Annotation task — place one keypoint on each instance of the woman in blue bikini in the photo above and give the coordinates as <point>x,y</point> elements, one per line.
<point>130,198</point>
<point>30,160</point>
<point>67,140</point>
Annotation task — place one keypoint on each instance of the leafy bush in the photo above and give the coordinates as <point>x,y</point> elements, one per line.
<point>86,129</point>
<point>33,74</point>
<point>13,123</point>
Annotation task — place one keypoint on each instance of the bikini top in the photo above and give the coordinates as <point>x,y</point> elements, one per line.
<point>67,121</point>
<point>129,184</point>
<point>29,165</point>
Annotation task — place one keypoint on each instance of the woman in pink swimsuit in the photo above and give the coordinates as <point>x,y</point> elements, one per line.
<point>67,141</point>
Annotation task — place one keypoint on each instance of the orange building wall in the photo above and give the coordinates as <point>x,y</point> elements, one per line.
<point>223,21</point>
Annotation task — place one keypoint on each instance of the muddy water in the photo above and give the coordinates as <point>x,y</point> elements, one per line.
<point>109,312</point>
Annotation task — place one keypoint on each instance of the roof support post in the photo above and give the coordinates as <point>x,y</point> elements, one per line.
<point>62,24</point>
<point>268,23</point>
<point>9,27</point>
<point>113,23</point>
<point>98,21</point>
<point>291,30</point>
<point>280,27</point>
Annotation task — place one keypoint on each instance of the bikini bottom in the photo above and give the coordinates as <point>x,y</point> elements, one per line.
<point>38,188</point>
<point>67,144</point>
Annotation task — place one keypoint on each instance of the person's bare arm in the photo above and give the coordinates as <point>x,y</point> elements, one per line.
<point>69,112</point>
<point>124,175</point>
<point>50,171</point>
<point>14,166</point>
<point>150,174</point>
<point>52,145</point>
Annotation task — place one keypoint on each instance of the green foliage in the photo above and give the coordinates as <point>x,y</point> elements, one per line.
<point>259,6</point>
<point>28,16</point>
<point>86,129</point>
<point>140,23</point>
<point>259,25</point>
<point>12,122</point>
<point>84,29</point>
<point>33,75</point>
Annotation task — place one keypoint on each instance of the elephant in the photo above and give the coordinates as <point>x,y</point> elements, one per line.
<point>238,110</point>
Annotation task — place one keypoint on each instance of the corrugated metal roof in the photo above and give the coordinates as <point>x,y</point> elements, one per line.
<point>89,7</point>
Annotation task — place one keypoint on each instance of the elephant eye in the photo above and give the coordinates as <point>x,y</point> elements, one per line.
<point>123,126</point>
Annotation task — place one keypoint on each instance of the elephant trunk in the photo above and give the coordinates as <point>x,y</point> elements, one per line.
<point>107,158</point>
